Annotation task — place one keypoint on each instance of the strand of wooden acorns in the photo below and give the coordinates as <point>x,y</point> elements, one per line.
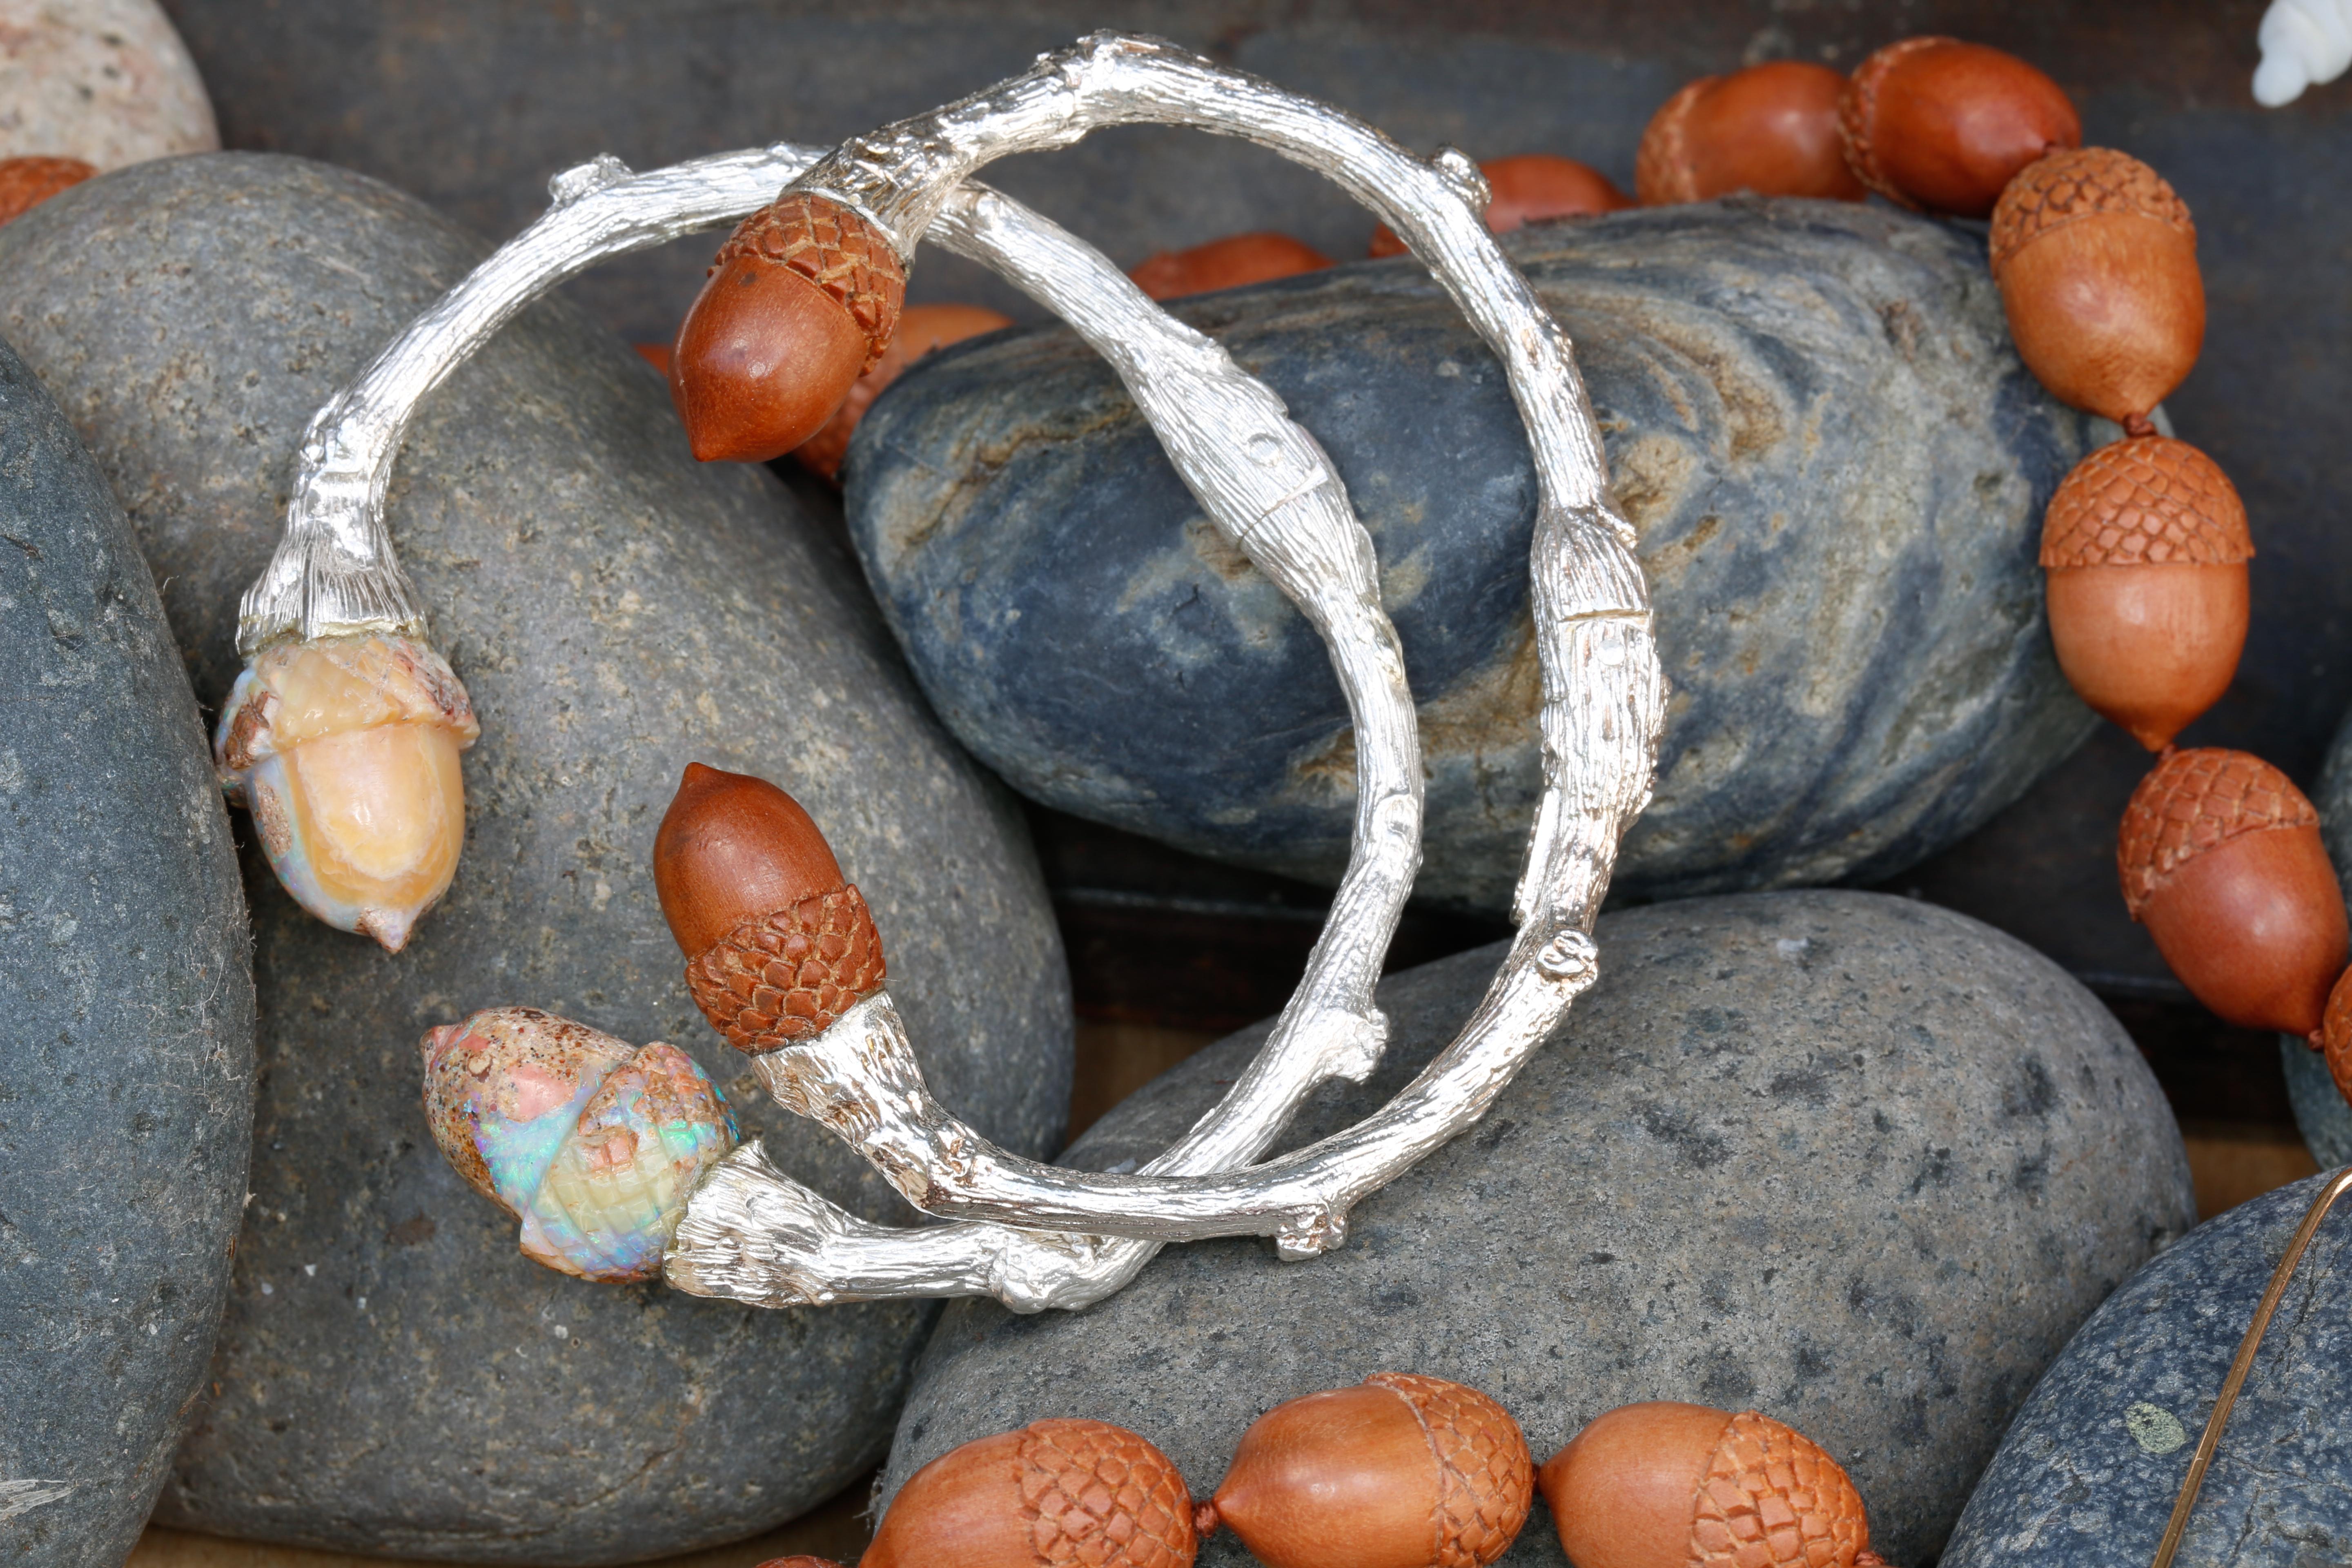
<point>1399,1471</point>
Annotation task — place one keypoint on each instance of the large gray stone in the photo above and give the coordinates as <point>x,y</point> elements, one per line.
<point>1859,1161</point>
<point>126,1059</point>
<point>1813,415</point>
<point>393,1376</point>
<point>2087,1476</point>
<point>2320,1111</point>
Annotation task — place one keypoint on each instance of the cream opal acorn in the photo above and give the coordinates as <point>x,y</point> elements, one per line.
<point>593,1145</point>
<point>346,749</point>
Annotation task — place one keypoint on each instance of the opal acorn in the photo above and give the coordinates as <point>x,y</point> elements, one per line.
<point>591,1145</point>
<point>1055,1492</point>
<point>1399,1471</point>
<point>26,183</point>
<point>1531,187</point>
<point>2220,858</point>
<point>1943,125</point>
<point>922,328</point>
<point>1666,1485</point>
<point>778,942</point>
<point>1228,263</point>
<point>2146,545</point>
<point>346,749</point>
<point>2097,259</point>
<point>1771,129</point>
<point>801,300</point>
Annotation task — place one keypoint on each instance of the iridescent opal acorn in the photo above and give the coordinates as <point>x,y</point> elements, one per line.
<point>2220,858</point>
<point>778,943</point>
<point>594,1146</point>
<point>1399,1471</point>
<point>1228,263</point>
<point>1944,125</point>
<point>1053,1493</point>
<point>1665,1485</point>
<point>345,751</point>
<point>801,301</point>
<point>1771,129</point>
<point>2097,259</point>
<point>2146,545</point>
<point>1531,187</point>
<point>922,328</point>
<point>26,183</point>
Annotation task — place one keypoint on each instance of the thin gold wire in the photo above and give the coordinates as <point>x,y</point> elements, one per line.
<point>2244,1363</point>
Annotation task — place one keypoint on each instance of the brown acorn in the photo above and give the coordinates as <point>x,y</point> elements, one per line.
<point>800,1562</point>
<point>26,183</point>
<point>921,330</point>
<point>2220,859</point>
<point>1055,1493</point>
<point>778,943</point>
<point>1227,263</point>
<point>2146,545</point>
<point>1943,125</point>
<point>1399,1471</point>
<point>1771,129</point>
<point>801,300</point>
<point>1665,1485</point>
<point>2335,1034</point>
<point>2097,259</point>
<point>1531,187</point>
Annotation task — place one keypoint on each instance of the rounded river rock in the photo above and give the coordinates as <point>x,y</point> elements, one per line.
<point>393,1377</point>
<point>126,1065</point>
<point>1813,415</point>
<point>2088,1474</point>
<point>1855,1161</point>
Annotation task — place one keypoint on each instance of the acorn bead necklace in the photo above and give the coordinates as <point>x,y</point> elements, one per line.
<point>2144,544</point>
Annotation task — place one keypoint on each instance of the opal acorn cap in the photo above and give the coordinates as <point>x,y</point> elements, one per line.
<point>2195,801</point>
<point>2151,500</point>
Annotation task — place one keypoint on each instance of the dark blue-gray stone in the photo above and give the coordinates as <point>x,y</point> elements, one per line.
<point>2088,1474</point>
<point>126,984</point>
<point>393,1377</point>
<point>1813,415</point>
<point>2319,1107</point>
<point>1857,1161</point>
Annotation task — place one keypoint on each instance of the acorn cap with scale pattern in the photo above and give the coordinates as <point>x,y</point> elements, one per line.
<point>2151,500</point>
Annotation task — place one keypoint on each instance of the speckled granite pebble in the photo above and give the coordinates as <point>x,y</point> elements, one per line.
<point>1856,1160</point>
<point>126,1062</point>
<point>1813,415</point>
<point>106,81</point>
<point>2087,1476</point>
<point>393,1377</point>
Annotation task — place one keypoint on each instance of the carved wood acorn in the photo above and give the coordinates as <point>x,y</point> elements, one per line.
<point>778,943</point>
<point>922,328</point>
<point>2097,259</point>
<point>1941,124</point>
<point>1228,263</point>
<point>1665,1485</point>
<point>1771,129</point>
<point>2146,545</point>
<point>2222,860</point>
<point>26,183</point>
<point>1055,1494</point>
<point>1531,187</point>
<point>801,300</point>
<point>1401,1471</point>
<point>2335,1034</point>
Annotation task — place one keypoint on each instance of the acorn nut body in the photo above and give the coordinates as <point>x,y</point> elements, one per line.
<point>1531,187</point>
<point>2335,1034</point>
<point>1941,124</point>
<point>2146,545</point>
<point>26,183</point>
<point>1401,1471</point>
<point>922,328</point>
<point>1055,1494</point>
<point>1668,1484</point>
<point>345,751</point>
<point>1228,263</point>
<point>778,943</point>
<point>2220,858</point>
<point>1771,129</point>
<point>2097,259</point>
<point>801,300</point>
